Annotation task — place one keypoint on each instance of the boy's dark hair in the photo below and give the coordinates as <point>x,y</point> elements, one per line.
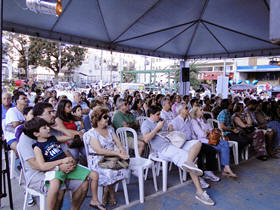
<point>32,126</point>
<point>27,109</point>
<point>17,95</point>
<point>39,108</point>
<point>153,110</point>
<point>74,109</point>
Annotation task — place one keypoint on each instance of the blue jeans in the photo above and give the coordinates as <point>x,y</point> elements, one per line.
<point>223,148</point>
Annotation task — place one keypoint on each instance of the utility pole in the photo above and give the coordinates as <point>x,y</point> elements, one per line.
<point>101,68</point>
<point>26,57</point>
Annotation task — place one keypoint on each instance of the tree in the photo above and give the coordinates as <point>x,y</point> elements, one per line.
<point>195,82</point>
<point>15,48</point>
<point>45,53</point>
<point>129,77</point>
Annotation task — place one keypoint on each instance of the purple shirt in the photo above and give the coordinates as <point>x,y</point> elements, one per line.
<point>200,128</point>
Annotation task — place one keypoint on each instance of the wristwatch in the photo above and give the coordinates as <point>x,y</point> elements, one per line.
<point>56,168</point>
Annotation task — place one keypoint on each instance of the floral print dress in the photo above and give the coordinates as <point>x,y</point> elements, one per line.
<point>106,176</point>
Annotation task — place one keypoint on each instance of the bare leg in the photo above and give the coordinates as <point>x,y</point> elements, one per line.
<point>194,152</point>
<point>13,147</point>
<point>141,147</point>
<point>93,186</point>
<point>196,183</point>
<point>79,196</point>
<point>53,194</point>
<point>60,199</point>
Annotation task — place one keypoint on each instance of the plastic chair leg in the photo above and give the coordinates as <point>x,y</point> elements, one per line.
<point>12,164</point>
<point>154,178</point>
<point>164,175</point>
<point>235,154</point>
<point>146,173</point>
<point>141,185</point>
<point>184,175</point>
<point>42,202</point>
<point>116,187</point>
<point>100,193</point>
<point>25,200</point>
<point>180,175</point>
<point>125,191</point>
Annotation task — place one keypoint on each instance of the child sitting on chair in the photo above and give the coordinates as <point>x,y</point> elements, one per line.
<point>49,155</point>
<point>77,113</point>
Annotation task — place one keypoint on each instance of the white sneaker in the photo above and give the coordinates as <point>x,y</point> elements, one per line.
<point>191,167</point>
<point>203,183</point>
<point>210,175</point>
<point>204,198</point>
<point>31,201</point>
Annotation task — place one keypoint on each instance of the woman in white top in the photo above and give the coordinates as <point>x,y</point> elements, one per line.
<point>202,129</point>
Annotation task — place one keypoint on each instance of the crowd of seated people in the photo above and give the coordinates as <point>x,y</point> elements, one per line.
<point>50,129</point>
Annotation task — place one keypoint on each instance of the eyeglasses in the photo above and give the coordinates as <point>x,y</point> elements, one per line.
<point>105,117</point>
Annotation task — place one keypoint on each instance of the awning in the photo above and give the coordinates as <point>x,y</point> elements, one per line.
<point>163,28</point>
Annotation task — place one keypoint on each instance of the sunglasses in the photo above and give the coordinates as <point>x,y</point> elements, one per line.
<point>105,117</point>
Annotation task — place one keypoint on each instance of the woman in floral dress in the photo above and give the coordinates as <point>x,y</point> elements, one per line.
<point>102,141</point>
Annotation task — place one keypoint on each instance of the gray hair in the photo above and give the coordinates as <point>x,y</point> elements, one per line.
<point>164,100</point>
<point>178,108</point>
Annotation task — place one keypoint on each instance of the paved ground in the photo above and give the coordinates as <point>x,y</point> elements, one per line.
<point>257,187</point>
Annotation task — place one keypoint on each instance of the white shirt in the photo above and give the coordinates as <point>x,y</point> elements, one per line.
<point>185,126</point>
<point>13,115</point>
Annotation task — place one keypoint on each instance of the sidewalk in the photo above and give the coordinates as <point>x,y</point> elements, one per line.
<point>257,187</point>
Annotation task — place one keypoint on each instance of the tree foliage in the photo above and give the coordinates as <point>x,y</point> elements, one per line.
<point>45,53</point>
<point>195,82</point>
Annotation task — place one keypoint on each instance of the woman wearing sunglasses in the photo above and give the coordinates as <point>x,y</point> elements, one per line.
<point>102,141</point>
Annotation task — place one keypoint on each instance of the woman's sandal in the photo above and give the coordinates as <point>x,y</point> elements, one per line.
<point>98,206</point>
<point>229,175</point>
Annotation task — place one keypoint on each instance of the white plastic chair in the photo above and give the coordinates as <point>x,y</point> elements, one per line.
<point>232,144</point>
<point>100,188</point>
<point>162,164</point>
<point>29,190</point>
<point>138,163</point>
<point>12,155</point>
<point>141,119</point>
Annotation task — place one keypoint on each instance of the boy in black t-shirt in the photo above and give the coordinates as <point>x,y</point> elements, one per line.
<point>49,156</point>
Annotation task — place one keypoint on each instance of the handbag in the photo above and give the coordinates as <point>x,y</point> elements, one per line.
<point>176,138</point>
<point>76,142</point>
<point>113,163</point>
<point>215,136</point>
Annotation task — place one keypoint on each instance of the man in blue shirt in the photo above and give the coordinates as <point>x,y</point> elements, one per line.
<point>225,121</point>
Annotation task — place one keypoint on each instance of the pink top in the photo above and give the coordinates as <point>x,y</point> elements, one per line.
<point>200,128</point>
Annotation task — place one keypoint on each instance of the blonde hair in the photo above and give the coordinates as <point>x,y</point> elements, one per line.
<point>194,111</point>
